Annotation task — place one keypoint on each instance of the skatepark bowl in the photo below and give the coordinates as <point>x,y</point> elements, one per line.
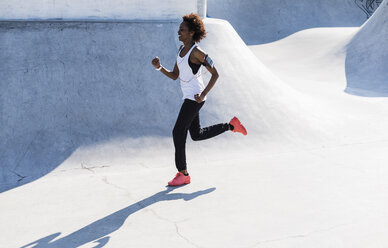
<point>86,146</point>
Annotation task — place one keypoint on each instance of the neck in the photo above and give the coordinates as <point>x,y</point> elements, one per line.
<point>188,43</point>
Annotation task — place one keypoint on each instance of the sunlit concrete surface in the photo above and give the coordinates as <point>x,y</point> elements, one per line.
<point>113,10</point>
<point>86,149</point>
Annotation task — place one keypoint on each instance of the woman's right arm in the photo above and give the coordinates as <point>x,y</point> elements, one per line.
<point>171,74</point>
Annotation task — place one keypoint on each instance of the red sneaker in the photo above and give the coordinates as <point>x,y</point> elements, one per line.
<point>238,127</point>
<point>179,179</point>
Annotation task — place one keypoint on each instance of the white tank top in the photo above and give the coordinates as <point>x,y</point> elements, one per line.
<point>190,84</point>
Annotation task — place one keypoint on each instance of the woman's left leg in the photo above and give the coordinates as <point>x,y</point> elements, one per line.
<point>198,133</point>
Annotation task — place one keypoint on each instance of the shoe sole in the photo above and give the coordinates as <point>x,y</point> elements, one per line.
<point>177,185</point>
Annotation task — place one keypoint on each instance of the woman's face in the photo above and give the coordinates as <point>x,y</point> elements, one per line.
<point>184,34</point>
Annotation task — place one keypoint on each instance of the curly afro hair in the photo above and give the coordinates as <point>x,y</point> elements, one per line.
<point>195,24</point>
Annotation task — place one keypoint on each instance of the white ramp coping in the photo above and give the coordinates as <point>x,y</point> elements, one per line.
<point>112,10</point>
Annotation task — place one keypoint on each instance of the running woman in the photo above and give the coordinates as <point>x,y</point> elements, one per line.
<point>187,68</point>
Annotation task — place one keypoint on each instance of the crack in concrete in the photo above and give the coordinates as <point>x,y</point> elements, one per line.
<point>20,176</point>
<point>105,180</point>
<point>175,223</point>
<point>258,244</point>
<point>20,159</point>
<point>183,237</point>
<point>143,165</point>
<point>83,167</point>
<point>88,168</point>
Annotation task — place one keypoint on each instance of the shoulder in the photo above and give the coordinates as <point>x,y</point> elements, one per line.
<point>197,50</point>
<point>199,54</point>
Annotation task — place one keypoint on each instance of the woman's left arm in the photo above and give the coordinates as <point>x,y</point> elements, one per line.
<point>201,57</point>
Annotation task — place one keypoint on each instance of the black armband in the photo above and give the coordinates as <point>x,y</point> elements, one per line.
<point>208,61</point>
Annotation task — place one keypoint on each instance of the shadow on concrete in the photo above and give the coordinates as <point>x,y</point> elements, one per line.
<point>98,230</point>
<point>379,92</point>
<point>366,71</point>
<point>366,57</point>
<point>260,22</point>
<point>365,75</point>
<point>70,84</point>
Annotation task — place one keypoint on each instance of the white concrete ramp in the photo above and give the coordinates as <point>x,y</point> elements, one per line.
<point>81,84</point>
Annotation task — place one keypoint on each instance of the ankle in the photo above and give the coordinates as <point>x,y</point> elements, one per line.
<point>184,172</point>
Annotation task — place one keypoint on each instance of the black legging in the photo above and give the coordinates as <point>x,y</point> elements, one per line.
<point>188,119</point>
